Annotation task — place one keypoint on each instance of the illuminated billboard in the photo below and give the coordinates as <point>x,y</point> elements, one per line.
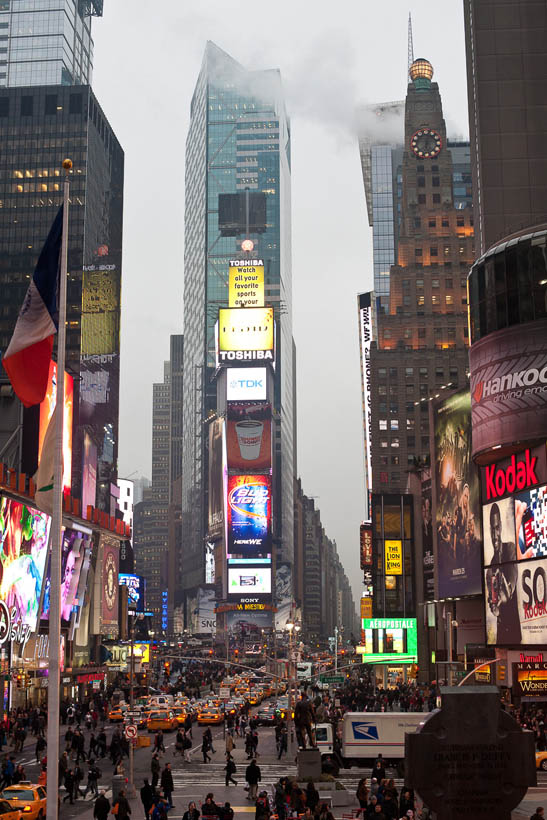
<point>245,334</point>
<point>456,499</point>
<point>389,639</point>
<point>216,478</point>
<point>516,603</point>
<point>249,438</point>
<point>24,534</point>
<point>135,590</point>
<point>246,283</point>
<point>73,552</point>
<point>530,679</point>
<point>365,534</point>
<point>89,474</point>
<point>393,555</point>
<point>249,581</point>
<point>365,337</point>
<point>109,586</point>
<point>46,411</point>
<point>246,384</point>
<point>249,515</point>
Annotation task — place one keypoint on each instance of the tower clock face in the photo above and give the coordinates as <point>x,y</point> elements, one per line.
<point>426,143</point>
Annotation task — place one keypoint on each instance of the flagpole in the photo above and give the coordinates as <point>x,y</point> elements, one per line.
<point>54,695</point>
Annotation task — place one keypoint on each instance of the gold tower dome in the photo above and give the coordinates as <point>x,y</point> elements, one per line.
<point>421,70</point>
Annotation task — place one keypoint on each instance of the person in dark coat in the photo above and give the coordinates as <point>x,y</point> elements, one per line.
<point>155,768</point>
<point>253,776</point>
<point>147,797</point>
<point>69,786</point>
<point>167,784</point>
<point>230,770</point>
<point>101,807</point>
<point>124,809</point>
<point>192,812</point>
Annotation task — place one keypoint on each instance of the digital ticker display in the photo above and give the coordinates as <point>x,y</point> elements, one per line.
<point>249,515</point>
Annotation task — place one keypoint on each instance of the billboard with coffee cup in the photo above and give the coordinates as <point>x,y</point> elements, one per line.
<point>249,439</point>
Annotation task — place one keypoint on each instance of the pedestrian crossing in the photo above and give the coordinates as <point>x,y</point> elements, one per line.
<point>210,775</point>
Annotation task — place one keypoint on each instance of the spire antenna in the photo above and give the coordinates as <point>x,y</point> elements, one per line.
<point>410,44</point>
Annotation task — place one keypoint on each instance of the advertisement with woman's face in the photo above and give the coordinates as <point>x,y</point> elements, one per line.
<point>72,555</point>
<point>24,534</point>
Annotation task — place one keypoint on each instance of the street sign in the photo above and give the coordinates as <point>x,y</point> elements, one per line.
<point>224,692</point>
<point>328,678</point>
<point>130,731</point>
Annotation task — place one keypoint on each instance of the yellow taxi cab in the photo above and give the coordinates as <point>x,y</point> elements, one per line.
<point>27,799</point>
<point>161,719</point>
<point>216,702</point>
<point>181,713</point>
<point>541,761</point>
<point>254,698</point>
<point>7,813</point>
<point>115,715</point>
<point>210,714</point>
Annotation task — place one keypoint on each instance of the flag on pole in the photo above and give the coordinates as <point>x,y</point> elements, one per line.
<point>26,361</point>
<point>45,474</point>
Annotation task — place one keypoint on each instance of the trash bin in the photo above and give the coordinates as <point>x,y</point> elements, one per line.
<point>118,783</point>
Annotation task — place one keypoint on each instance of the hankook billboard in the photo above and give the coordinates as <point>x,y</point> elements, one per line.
<point>509,386</point>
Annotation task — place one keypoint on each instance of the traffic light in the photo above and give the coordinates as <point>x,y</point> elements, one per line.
<point>210,652</point>
<point>236,653</point>
<point>166,667</point>
<point>19,680</point>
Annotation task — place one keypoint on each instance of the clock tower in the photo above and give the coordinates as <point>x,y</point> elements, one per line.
<point>421,347</point>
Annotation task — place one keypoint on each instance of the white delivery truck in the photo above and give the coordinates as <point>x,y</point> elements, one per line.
<point>365,735</point>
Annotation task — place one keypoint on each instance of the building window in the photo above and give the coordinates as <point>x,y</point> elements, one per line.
<point>407,333</point>
<point>421,333</point>
<point>383,460</point>
<point>382,424</point>
<point>421,182</point>
<point>420,300</point>
<point>27,104</point>
<point>434,283</point>
<point>460,221</point>
<point>420,168</point>
<point>387,333</point>
<point>392,372</point>
<point>449,299</point>
<point>445,223</point>
<point>395,478</point>
<point>409,390</point>
<point>51,104</point>
<point>395,442</point>
<point>439,373</point>
<point>435,299</point>
<point>395,460</point>
<point>421,199</point>
<point>436,182</point>
<point>423,372</point>
<point>383,442</point>
<point>410,441</point>
<point>417,223</point>
<point>410,423</point>
<point>419,283</point>
<point>394,424</point>
<point>382,390</point>
<point>449,284</point>
<point>383,478</point>
<point>434,251</point>
<point>417,251</point>
<point>409,372</point>
<point>432,223</point>
<point>382,372</point>
<point>436,199</point>
<point>75,104</point>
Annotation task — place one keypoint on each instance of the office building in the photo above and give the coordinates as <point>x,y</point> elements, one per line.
<point>417,343</point>
<point>151,523</point>
<point>238,140</point>
<point>506,89</point>
<point>46,43</point>
<point>506,59</point>
<point>39,127</point>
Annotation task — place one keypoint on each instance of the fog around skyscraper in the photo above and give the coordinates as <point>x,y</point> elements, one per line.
<point>328,73</point>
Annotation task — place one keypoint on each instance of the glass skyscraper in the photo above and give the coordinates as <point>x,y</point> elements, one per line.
<point>46,43</point>
<point>239,138</point>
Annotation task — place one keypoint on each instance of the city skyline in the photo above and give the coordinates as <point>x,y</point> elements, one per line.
<point>329,202</point>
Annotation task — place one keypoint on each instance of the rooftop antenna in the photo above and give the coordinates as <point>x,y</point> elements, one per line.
<point>410,44</point>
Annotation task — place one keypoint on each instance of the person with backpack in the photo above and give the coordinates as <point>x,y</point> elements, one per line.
<point>93,776</point>
<point>262,811</point>
<point>230,769</point>
<point>160,809</point>
<point>121,807</point>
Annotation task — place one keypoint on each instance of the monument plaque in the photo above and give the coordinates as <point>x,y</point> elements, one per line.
<point>470,758</point>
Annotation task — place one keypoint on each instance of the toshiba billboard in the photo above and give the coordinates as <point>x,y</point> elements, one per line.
<point>509,386</point>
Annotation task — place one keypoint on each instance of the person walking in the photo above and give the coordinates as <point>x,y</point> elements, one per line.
<point>121,807</point>
<point>101,807</point>
<point>538,814</point>
<point>147,798</point>
<point>230,769</point>
<point>253,777</point>
<point>93,776</point>
<point>205,749</point>
<point>167,784</point>
<point>155,768</point>
<point>187,747</point>
<point>159,745</point>
<point>69,786</point>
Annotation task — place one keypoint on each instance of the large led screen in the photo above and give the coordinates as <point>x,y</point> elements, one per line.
<point>72,557</point>
<point>516,603</point>
<point>457,503</point>
<point>246,384</point>
<point>216,478</point>
<point>249,515</point>
<point>24,534</point>
<point>249,581</point>
<point>135,590</point>
<point>46,411</point>
<point>246,329</point>
<point>249,439</point>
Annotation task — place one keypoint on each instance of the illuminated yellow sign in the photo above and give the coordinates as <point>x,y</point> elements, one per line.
<point>245,333</point>
<point>394,557</point>
<point>246,283</point>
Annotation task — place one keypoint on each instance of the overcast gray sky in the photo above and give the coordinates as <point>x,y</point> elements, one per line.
<point>333,57</point>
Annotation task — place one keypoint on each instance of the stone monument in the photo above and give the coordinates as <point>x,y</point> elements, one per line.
<point>470,759</point>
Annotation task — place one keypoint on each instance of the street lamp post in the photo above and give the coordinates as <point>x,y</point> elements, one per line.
<point>134,617</point>
<point>292,629</point>
<point>336,649</point>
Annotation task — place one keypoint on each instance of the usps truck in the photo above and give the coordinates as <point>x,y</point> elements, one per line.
<point>365,735</point>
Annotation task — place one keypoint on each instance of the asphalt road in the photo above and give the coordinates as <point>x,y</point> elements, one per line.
<point>194,780</point>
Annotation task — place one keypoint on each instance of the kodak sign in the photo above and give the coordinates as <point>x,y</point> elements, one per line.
<point>520,472</point>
